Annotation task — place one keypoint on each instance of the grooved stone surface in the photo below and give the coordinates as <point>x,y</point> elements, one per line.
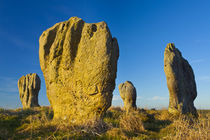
<point>29,87</point>
<point>79,63</point>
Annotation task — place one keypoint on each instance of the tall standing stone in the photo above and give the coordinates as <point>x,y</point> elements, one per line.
<point>29,87</point>
<point>180,81</point>
<point>128,94</point>
<point>79,62</point>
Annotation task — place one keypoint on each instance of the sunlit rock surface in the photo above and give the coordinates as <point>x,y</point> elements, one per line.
<point>79,62</point>
<point>29,87</point>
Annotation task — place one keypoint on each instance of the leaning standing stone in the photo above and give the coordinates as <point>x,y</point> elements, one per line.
<point>79,62</point>
<point>180,81</point>
<point>128,94</point>
<point>29,87</point>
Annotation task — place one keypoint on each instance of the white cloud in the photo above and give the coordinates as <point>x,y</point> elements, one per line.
<point>116,98</point>
<point>155,98</point>
<point>139,97</point>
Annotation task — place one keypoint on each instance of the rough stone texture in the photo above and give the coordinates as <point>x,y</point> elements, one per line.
<point>128,94</point>
<point>79,62</point>
<point>180,81</point>
<point>29,87</point>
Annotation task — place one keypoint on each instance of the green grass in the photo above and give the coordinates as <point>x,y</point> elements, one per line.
<point>37,123</point>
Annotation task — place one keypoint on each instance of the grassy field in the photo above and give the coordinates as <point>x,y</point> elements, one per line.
<point>37,123</point>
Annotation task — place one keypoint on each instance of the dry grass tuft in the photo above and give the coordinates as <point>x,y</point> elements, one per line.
<point>131,122</point>
<point>64,129</point>
<point>164,115</point>
<point>116,108</point>
<point>191,128</point>
<point>95,127</point>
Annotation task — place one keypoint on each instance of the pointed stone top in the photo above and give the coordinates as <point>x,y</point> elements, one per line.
<point>75,19</point>
<point>170,46</point>
<point>128,82</point>
<point>171,49</point>
<point>180,81</point>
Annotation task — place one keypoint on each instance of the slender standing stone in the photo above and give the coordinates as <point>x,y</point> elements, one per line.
<point>180,81</point>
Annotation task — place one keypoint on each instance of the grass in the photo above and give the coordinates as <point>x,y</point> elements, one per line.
<point>37,123</point>
<point>192,129</point>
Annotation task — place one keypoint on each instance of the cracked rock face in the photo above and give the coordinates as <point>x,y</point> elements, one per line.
<point>79,63</point>
<point>180,81</point>
<point>128,94</point>
<point>29,87</point>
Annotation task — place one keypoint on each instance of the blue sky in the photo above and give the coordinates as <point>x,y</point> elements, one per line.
<point>143,29</point>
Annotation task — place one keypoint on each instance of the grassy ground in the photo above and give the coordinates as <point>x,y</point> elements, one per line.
<point>37,123</point>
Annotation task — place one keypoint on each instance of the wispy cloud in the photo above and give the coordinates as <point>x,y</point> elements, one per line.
<point>16,40</point>
<point>204,78</point>
<point>8,85</point>
<point>197,61</point>
<point>202,40</point>
<point>155,98</point>
<point>117,98</point>
<point>21,43</point>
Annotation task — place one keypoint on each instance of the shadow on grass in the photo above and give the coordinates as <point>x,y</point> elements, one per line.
<point>153,124</point>
<point>10,120</point>
<point>62,131</point>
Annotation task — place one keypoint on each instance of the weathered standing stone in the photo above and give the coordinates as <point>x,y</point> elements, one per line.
<point>180,81</point>
<point>128,94</point>
<point>29,87</point>
<point>79,62</point>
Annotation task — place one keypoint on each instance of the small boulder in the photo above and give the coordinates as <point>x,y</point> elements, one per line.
<point>180,81</point>
<point>29,87</point>
<point>128,94</point>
